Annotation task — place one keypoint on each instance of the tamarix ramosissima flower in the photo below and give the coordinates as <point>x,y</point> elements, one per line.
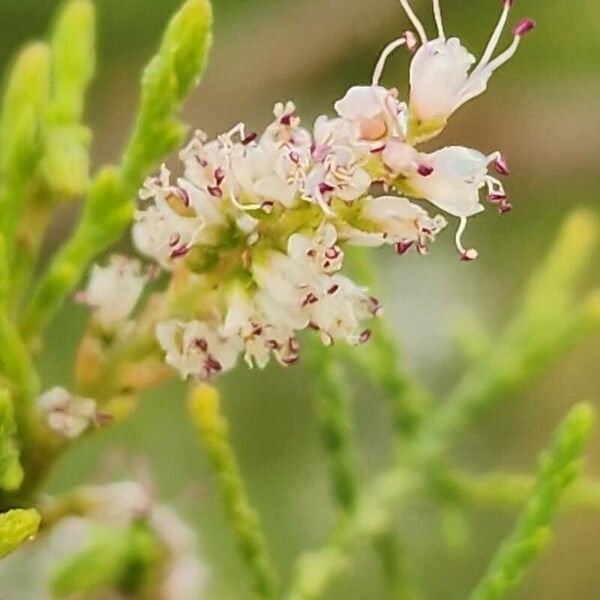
<point>253,232</point>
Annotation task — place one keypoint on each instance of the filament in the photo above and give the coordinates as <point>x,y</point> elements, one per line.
<point>437,12</point>
<point>410,13</point>
<point>384,56</point>
<point>493,43</point>
<point>470,254</point>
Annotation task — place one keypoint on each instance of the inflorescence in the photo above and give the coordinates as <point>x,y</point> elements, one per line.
<point>254,231</point>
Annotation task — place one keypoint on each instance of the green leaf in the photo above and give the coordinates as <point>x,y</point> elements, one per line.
<point>11,471</point>
<point>167,80</point>
<point>25,99</point>
<point>109,208</point>
<point>119,560</point>
<point>16,526</point>
<point>66,154</point>
<point>557,469</point>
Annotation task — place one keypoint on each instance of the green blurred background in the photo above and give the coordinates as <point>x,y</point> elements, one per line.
<point>541,110</point>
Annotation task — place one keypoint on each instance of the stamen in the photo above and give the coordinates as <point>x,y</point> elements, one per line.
<point>523,27</point>
<point>384,56</point>
<point>472,89</point>
<point>471,253</point>
<point>499,162</point>
<point>493,43</point>
<point>414,20</point>
<point>437,12</point>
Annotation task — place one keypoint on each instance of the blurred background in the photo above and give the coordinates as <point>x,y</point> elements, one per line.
<point>541,110</point>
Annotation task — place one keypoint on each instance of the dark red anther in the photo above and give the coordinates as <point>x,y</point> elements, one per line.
<point>424,170</point>
<point>249,138</point>
<point>403,246</point>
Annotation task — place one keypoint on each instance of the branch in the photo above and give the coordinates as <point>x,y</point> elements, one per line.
<point>214,434</point>
<point>168,79</point>
<point>558,467</point>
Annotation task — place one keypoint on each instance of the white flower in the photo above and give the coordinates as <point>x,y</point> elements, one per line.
<point>206,163</point>
<point>337,309</point>
<point>396,221</point>
<point>375,110</point>
<point>454,182</point>
<point>65,413</point>
<point>402,158</point>
<point>287,176</point>
<point>260,337</point>
<point>441,79</point>
<point>185,574</point>
<point>118,503</point>
<point>320,250</point>
<point>295,292</point>
<point>195,349</point>
<point>180,216</point>
<point>454,179</point>
<point>114,290</point>
<point>286,130</point>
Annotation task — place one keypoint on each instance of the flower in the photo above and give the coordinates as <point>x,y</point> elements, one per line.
<point>177,572</point>
<point>260,337</point>
<point>320,250</point>
<point>179,216</point>
<point>196,350</point>
<point>65,413</point>
<point>374,110</point>
<point>114,290</point>
<point>258,222</point>
<point>395,221</point>
<point>442,77</point>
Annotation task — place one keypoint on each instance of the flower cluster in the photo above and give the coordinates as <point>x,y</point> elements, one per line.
<point>123,504</point>
<point>254,230</point>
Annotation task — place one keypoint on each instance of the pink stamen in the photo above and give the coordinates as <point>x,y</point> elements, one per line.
<point>468,255</point>
<point>249,138</point>
<point>215,191</point>
<point>364,336</point>
<point>403,246</point>
<point>179,252</point>
<point>286,119</point>
<point>424,170</point>
<point>411,41</point>
<point>219,175</point>
<point>325,187</point>
<point>202,344</point>
<point>523,27</point>
<point>501,165</point>
<point>183,195</point>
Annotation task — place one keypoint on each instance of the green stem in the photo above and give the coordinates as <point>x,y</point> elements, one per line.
<point>557,470</point>
<point>395,563</point>
<point>509,490</point>
<point>372,517</point>
<point>333,409</point>
<point>214,434</point>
